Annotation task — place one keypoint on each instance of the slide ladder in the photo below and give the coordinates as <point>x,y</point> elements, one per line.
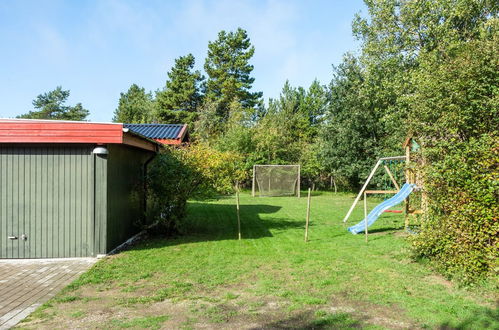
<point>398,198</point>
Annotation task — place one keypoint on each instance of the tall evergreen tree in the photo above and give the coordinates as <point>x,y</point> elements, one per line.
<point>135,106</point>
<point>229,71</point>
<point>51,106</point>
<point>315,104</point>
<point>178,101</point>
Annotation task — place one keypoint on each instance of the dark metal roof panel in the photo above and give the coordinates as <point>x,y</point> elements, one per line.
<point>157,131</point>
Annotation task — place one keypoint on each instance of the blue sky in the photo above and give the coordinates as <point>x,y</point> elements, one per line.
<point>97,49</point>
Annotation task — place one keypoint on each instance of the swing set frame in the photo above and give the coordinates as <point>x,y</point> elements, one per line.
<point>409,177</point>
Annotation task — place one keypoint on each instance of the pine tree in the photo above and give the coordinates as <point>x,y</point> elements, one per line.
<point>135,106</point>
<point>178,101</point>
<point>51,106</point>
<point>228,69</point>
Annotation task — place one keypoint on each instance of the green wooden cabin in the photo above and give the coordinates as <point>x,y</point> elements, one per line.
<point>69,189</point>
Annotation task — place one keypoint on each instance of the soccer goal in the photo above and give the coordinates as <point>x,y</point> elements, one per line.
<point>276,180</point>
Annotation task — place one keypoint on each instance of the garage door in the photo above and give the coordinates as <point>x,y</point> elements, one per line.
<point>46,201</point>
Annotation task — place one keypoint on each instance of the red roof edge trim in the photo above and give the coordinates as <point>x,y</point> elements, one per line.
<point>53,131</point>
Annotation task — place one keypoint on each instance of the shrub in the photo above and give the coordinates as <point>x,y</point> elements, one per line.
<point>460,231</point>
<point>215,172</point>
<point>176,175</point>
<point>455,117</point>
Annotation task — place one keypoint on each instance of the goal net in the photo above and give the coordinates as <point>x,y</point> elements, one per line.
<point>276,180</point>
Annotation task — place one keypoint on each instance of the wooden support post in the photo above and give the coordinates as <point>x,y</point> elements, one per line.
<point>367,182</point>
<point>391,177</point>
<point>237,209</point>
<point>365,215</point>
<point>308,216</point>
<point>408,179</point>
<point>406,213</point>
<point>381,191</point>
<point>362,190</point>
<point>408,172</point>
<point>254,182</point>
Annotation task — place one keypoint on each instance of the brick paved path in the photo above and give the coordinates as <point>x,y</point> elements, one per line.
<point>26,284</point>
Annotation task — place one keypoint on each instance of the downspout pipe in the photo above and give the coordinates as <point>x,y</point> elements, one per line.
<point>144,201</point>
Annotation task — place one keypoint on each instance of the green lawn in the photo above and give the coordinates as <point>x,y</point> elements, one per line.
<point>271,278</point>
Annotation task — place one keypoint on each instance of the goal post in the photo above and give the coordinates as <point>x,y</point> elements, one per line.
<point>276,180</point>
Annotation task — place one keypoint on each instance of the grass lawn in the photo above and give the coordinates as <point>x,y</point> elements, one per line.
<point>271,278</point>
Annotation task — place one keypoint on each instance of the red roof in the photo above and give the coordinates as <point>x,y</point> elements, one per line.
<point>58,131</point>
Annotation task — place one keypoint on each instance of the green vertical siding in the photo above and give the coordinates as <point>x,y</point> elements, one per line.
<point>68,201</point>
<point>46,193</point>
<point>125,192</point>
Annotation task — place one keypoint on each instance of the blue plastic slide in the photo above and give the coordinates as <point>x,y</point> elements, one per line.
<point>398,198</point>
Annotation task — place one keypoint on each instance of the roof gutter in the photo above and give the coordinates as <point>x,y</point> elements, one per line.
<point>144,202</point>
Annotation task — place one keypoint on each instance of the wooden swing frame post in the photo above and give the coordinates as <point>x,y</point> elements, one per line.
<point>362,190</point>
<point>391,177</point>
<point>408,178</point>
<point>411,177</point>
<point>365,215</point>
<point>373,171</point>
